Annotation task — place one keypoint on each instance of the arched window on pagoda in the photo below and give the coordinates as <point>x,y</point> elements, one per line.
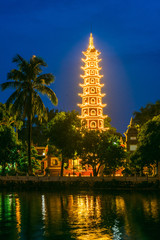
<point>92,80</point>
<point>93,124</point>
<point>85,100</point>
<point>93,101</point>
<point>92,72</point>
<point>93,112</point>
<point>85,112</point>
<point>86,90</point>
<point>92,90</point>
<point>87,81</point>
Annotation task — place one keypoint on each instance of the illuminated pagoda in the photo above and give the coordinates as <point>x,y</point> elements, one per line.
<point>92,107</point>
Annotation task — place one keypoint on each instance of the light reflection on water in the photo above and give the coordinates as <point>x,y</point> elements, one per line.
<point>84,216</point>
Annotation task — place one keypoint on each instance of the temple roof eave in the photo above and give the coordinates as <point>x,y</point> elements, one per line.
<point>88,105</point>
<point>96,75</point>
<point>98,117</point>
<point>94,53</point>
<point>87,59</point>
<point>92,95</point>
<point>91,68</point>
<point>91,85</point>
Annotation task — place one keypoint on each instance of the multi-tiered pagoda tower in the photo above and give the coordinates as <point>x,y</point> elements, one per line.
<point>92,107</point>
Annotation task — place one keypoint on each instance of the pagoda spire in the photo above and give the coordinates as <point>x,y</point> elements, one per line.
<point>92,106</point>
<point>91,45</point>
<point>131,122</point>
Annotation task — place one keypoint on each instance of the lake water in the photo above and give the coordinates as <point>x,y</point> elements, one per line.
<point>82,216</point>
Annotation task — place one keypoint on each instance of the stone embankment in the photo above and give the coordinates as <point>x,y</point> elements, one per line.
<point>76,183</point>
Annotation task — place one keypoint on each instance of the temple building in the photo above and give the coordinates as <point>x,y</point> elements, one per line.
<point>131,137</point>
<point>92,107</point>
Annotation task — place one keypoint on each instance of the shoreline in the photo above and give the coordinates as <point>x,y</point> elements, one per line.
<point>78,183</point>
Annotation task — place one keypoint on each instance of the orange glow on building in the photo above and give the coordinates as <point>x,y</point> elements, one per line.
<point>92,107</point>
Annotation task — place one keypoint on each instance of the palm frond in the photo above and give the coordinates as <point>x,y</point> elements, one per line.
<point>36,64</point>
<point>12,98</point>
<point>39,107</point>
<point>6,85</point>
<point>34,61</point>
<point>21,62</point>
<point>18,106</point>
<point>47,79</point>
<point>16,75</point>
<point>49,92</point>
<point>23,67</point>
<point>18,59</point>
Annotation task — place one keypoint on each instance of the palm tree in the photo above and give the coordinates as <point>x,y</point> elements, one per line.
<point>29,82</point>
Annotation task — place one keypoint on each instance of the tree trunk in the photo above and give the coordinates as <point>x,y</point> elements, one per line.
<point>94,172</point>
<point>156,167</point>
<point>62,165</point>
<point>141,171</point>
<point>29,145</point>
<point>30,172</point>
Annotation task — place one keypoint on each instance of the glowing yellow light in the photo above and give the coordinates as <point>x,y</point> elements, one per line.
<point>92,89</point>
<point>18,215</point>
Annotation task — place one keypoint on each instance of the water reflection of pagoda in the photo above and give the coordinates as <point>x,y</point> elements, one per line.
<point>92,107</point>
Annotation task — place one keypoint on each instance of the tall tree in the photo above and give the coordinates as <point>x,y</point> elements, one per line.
<point>64,134</point>
<point>148,151</point>
<point>89,150</point>
<point>146,113</point>
<point>101,149</point>
<point>26,101</point>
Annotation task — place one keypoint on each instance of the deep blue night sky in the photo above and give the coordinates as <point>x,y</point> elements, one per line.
<point>126,32</point>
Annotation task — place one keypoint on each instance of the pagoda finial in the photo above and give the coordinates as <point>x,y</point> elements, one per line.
<point>91,45</point>
<point>131,122</point>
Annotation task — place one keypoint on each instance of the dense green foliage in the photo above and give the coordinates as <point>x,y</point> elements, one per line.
<point>8,147</point>
<point>39,129</point>
<point>22,163</point>
<point>13,155</point>
<point>7,118</point>
<point>146,113</point>
<point>148,151</point>
<point>64,134</point>
<point>102,151</point>
<point>26,101</point>
<point>67,139</point>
